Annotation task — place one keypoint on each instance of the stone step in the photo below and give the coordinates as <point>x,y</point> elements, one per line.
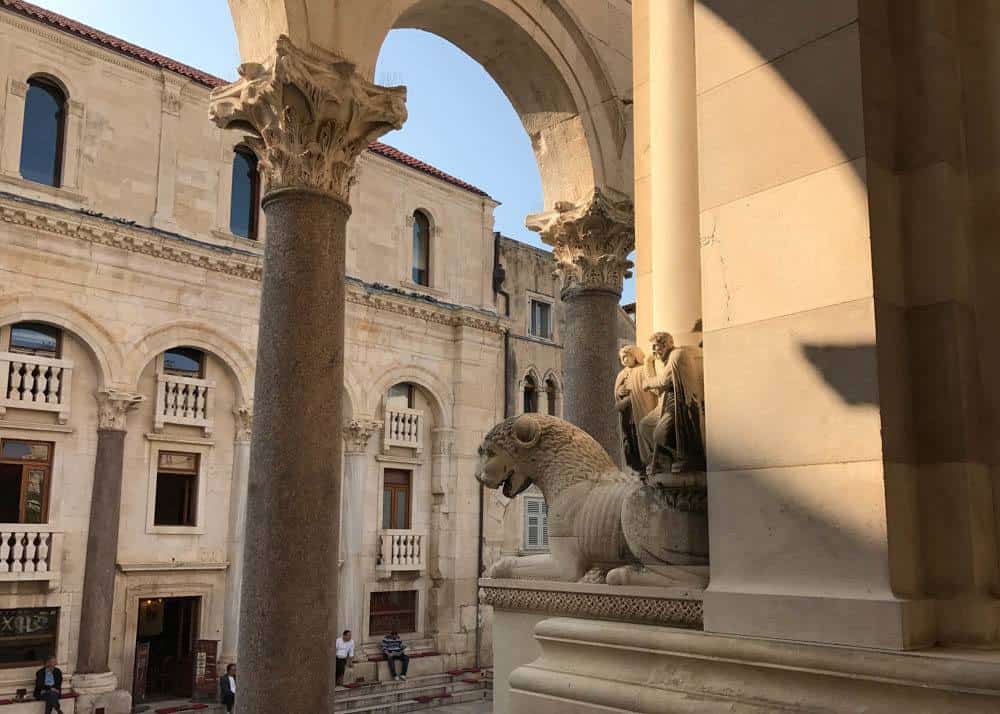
<point>398,691</point>
<point>419,703</point>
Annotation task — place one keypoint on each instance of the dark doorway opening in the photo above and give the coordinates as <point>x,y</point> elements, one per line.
<point>165,639</point>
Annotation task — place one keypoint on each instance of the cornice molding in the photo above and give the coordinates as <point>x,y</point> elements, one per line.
<point>101,231</point>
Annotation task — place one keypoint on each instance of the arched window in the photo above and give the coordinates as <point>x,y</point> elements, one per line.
<point>552,393</point>
<point>421,248</point>
<point>42,136</point>
<point>244,205</point>
<point>530,395</point>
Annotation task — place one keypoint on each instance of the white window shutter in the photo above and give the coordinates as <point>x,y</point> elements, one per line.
<point>533,535</point>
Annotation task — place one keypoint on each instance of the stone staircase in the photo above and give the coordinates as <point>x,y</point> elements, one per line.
<point>419,691</point>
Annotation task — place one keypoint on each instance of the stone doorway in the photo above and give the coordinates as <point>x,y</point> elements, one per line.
<point>165,637</point>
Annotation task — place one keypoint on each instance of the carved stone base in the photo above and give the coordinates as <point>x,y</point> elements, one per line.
<point>96,691</point>
<point>667,519</point>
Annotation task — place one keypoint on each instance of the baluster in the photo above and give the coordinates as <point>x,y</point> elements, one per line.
<point>18,554</point>
<point>397,554</point>
<point>17,381</point>
<point>172,398</point>
<point>43,552</point>
<point>55,380</point>
<point>5,551</point>
<point>30,549</point>
<point>199,402</point>
<point>40,383</point>
<point>418,543</point>
<point>411,549</point>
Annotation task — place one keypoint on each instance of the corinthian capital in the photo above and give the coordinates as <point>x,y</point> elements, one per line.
<point>357,433</point>
<point>591,241</point>
<point>311,117</point>
<point>113,406</point>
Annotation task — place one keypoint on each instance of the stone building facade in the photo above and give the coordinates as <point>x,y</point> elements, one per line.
<point>129,311</point>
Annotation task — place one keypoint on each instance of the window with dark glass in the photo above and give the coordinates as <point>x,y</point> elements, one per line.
<point>42,135</point>
<point>396,499</point>
<point>551,392</point>
<point>28,636</point>
<point>393,612</point>
<point>244,205</point>
<point>25,468</point>
<point>530,395</point>
<point>184,362</point>
<point>400,396</point>
<point>35,338</point>
<point>421,248</point>
<point>176,489</point>
<point>540,322</point>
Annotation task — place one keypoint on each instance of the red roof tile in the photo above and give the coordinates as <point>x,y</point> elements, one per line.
<point>110,42</point>
<point>141,54</point>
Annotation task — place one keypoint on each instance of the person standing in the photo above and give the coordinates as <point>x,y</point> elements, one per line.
<point>394,649</point>
<point>345,653</point>
<point>227,687</point>
<point>48,686</point>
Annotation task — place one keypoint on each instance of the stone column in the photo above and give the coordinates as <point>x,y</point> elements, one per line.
<point>313,116</point>
<point>350,610</point>
<point>591,241</point>
<point>237,527</point>
<point>666,172</point>
<point>94,675</point>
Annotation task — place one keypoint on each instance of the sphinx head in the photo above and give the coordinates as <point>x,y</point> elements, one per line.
<point>505,456</point>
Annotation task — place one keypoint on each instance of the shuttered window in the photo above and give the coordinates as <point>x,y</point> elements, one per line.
<point>536,524</point>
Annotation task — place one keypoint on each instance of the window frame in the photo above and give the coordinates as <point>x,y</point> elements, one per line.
<point>57,354</point>
<point>253,232</point>
<point>372,613</point>
<point>44,81</point>
<point>181,373</point>
<point>529,379</point>
<point>532,297</point>
<point>428,282</point>
<point>411,399</point>
<point>203,453</point>
<point>393,489</point>
<point>542,514</point>
<point>26,464</point>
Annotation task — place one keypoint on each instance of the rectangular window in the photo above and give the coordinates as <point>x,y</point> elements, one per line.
<point>393,612</point>
<point>35,338</point>
<point>28,636</point>
<point>536,524</point>
<point>540,325</point>
<point>176,490</point>
<point>396,499</point>
<point>25,468</point>
<point>184,362</point>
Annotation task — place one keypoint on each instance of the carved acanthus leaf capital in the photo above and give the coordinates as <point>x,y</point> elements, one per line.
<point>113,406</point>
<point>311,117</point>
<point>591,241</point>
<point>244,422</point>
<point>357,433</point>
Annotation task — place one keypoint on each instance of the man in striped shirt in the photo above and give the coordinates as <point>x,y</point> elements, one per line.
<point>394,649</point>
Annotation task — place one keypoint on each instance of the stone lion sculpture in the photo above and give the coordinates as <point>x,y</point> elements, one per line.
<point>604,525</point>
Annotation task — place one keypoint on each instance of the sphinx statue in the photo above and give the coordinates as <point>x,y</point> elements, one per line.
<point>604,525</point>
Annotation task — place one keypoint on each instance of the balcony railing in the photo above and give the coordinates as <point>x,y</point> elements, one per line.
<point>400,550</point>
<point>29,552</point>
<point>31,382</point>
<point>184,400</point>
<point>403,427</point>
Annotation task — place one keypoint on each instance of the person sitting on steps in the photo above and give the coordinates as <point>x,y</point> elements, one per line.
<point>394,649</point>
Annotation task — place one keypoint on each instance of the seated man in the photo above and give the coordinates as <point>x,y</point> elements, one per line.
<point>393,649</point>
<point>48,685</point>
<point>345,653</point>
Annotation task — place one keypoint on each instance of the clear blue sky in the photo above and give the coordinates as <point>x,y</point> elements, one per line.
<point>459,119</point>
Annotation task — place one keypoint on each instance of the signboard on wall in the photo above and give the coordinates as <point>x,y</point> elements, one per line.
<point>206,669</point>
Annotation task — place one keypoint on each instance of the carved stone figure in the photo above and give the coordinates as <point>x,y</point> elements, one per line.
<point>604,525</point>
<point>633,402</point>
<point>671,436</point>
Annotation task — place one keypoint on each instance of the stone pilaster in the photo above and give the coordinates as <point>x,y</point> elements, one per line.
<point>237,526</point>
<point>591,242</point>
<point>358,434</point>
<point>96,681</point>
<point>312,115</point>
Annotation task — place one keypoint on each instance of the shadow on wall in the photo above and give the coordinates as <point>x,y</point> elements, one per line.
<point>851,370</point>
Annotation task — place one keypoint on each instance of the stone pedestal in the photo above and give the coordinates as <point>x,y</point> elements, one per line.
<point>100,691</point>
<point>314,114</point>
<point>591,241</point>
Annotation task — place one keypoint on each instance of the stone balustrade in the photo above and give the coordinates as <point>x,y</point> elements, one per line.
<point>184,400</point>
<point>32,382</point>
<point>400,550</point>
<point>403,427</point>
<point>29,552</point>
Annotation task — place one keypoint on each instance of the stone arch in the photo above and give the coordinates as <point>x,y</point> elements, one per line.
<point>529,377</point>
<point>552,386</point>
<point>40,68</point>
<point>193,334</point>
<point>100,342</point>
<point>569,101</point>
<point>439,394</point>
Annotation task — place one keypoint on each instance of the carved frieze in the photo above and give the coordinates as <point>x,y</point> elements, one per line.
<point>312,117</point>
<point>113,406</point>
<point>591,241</point>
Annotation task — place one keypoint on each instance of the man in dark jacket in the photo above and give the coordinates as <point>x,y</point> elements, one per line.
<point>227,687</point>
<point>48,685</point>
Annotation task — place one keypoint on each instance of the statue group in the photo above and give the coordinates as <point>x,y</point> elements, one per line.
<point>660,400</point>
<point>608,525</point>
